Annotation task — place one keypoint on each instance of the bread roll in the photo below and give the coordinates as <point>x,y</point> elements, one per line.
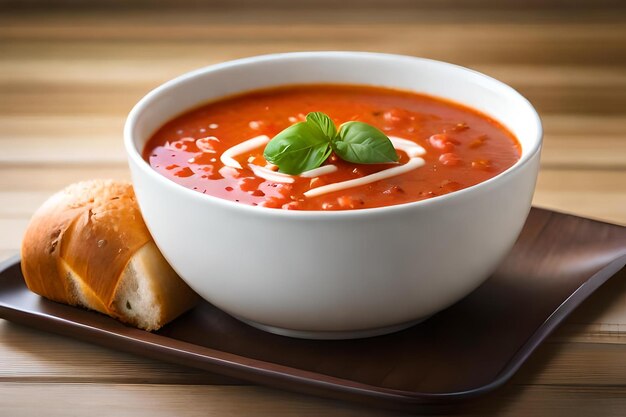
<point>89,246</point>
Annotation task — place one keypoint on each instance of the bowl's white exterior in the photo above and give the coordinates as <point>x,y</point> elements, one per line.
<point>335,274</point>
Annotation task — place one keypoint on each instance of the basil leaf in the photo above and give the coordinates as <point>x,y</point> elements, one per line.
<point>324,122</point>
<point>298,148</point>
<point>361,143</point>
<point>306,145</point>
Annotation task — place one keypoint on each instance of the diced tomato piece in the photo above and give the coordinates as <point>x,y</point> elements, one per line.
<point>249,184</point>
<point>450,186</point>
<point>284,189</point>
<point>478,142</point>
<point>459,127</point>
<point>483,164</point>
<point>180,144</point>
<point>229,172</point>
<point>394,189</point>
<point>393,115</point>
<point>264,127</point>
<point>272,202</point>
<point>256,124</point>
<point>396,117</point>
<point>349,202</point>
<point>184,172</point>
<point>345,202</point>
<point>441,142</point>
<point>207,144</point>
<point>450,159</point>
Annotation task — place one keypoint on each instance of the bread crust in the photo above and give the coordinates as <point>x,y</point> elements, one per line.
<point>81,240</point>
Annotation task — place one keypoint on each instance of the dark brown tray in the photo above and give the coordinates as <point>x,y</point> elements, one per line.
<point>467,350</point>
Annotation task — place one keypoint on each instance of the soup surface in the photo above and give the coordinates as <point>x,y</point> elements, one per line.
<point>458,147</point>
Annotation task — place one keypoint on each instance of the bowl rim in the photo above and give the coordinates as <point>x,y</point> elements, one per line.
<point>135,155</point>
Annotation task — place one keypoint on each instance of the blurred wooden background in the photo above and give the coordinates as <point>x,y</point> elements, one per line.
<point>71,70</point>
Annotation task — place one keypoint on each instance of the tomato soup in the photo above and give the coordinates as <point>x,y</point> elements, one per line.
<point>217,149</point>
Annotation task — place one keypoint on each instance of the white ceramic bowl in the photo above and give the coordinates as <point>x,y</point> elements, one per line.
<point>339,274</point>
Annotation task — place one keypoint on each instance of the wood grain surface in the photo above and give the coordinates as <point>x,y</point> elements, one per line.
<point>68,77</point>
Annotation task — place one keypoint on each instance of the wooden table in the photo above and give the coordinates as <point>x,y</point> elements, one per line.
<point>68,78</point>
